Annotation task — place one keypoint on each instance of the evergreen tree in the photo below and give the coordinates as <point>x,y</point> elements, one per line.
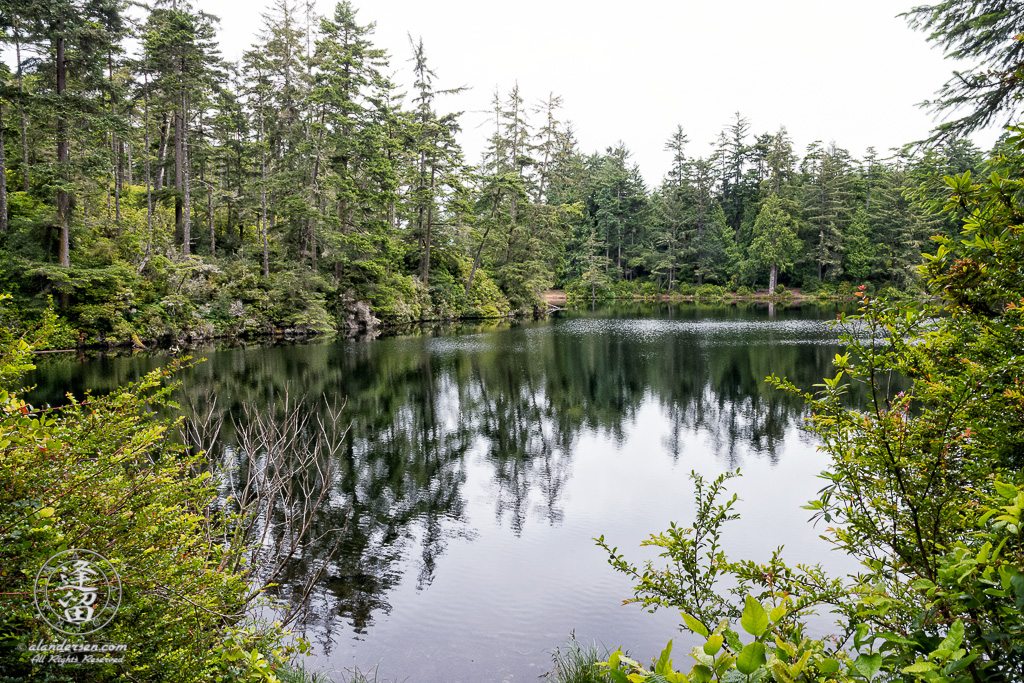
<point>827,205</point>
<point>73,36</point>
<point>775,245</point>
<point>984,32</point>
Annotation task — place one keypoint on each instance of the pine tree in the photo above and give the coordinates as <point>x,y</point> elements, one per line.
<point>827,205</point>
<point>985,33</point>
<point>180,49</point>
<point>59,28</point>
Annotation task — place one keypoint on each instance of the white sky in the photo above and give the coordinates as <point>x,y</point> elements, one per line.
<point>852,72</point>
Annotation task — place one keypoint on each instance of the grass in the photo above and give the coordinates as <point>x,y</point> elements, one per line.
<point>298,673</point>
<point>576,663</point>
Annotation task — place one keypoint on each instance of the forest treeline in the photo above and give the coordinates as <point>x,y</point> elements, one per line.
<point>155,189</point>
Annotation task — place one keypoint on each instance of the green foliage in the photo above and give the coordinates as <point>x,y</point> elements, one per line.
<point>695,563</point>
<point>486,300</point>
<point>709,292</point>
<point>100,473</point>
<point>648,290</point>
<point>298,301</point>
<point>811,286</point>
<point>775,244</point>
<point>925,488</point>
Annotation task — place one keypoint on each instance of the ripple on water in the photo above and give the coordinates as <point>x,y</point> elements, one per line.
<point>712,331</point>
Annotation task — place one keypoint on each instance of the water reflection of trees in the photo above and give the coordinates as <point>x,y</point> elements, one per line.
<point>516,399</point>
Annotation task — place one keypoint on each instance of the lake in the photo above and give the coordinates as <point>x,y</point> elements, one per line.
<point>482,459</point>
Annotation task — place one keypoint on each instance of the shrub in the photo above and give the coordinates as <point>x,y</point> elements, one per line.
<point>709,292</point>
<point>648,289</point>
<point>101,474</point>
<point>780,290</point>
<point>686,288</point>
<point>486,300</point>
<point>925,488</point>
<point>625,289</point>
<point>744,291</point>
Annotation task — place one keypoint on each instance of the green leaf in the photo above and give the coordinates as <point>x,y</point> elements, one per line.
<point>713,645</point>
<point>754,620</point>
<point>960,664</point>
<point>868,665</point>
<point>1005,490</point>
<point>1017,583</point>
<point>700,673</point>
<point>777,613</point>
<point>46,512</point>
<point>751,658</point>
<point>664,663</point>
<point>618,676</point>
<point>918,668</point>
<point>954,638</point>
<point>733,639</point>
<point>828,666</point>
<point>694,625</point>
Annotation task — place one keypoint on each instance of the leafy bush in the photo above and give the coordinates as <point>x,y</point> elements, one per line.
<point>780,290</point>
<point>686,288</point>
<point>399,298</point>
<point>485,299</point>
<point>298,300</point>
<point>625,289</point>
<point>845,289</point>
<point>101,474</point>
<point>710,292</point>
<point>925,488</point>
<point>983,576</point>
<point>810,286</point>
<point>648,289</point>
<point>744,291</point>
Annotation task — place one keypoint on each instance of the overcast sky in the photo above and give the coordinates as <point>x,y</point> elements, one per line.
<point>852,72</point>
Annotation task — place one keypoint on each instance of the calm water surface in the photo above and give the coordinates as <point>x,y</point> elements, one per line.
<point>482,460</point>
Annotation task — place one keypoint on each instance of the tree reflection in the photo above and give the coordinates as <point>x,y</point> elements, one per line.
<point>515,398</point>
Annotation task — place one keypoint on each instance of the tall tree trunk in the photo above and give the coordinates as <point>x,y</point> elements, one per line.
<point>483,241</point>
<point>63,154</point>
<point>21,111</point>
<point>821,252</point>
<point>263,201</point>
<point>178,181</point>
<point>430,220</point>
<point>161,155</point>
<point>149,187</point>
<point>114,143</point>
<point>773,279</point>
<point>3,176</point>
<point>209,215</point>
<point>186,201</point>
<point>318,200</point>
